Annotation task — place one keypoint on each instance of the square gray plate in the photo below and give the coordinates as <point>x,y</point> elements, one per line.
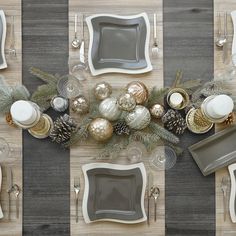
<point>114,193</point>
<point>215,152</point>
<point>119,44</point>
<point>3,29</point>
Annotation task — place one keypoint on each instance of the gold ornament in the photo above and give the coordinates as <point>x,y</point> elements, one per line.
<point>138,90</point>
<point>139,118</point>
<point>157,111</point>
<point>100,129</point>
<point>102,90</point>
<point>9,120</point>
<point>109,109</point>
<point>80,105</point>
<point>126,102</point>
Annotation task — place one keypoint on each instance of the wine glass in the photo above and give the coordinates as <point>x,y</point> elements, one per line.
<point>135,152</point>
<point>162,158</point>
<point>4,149</point>
<point>69,87</point>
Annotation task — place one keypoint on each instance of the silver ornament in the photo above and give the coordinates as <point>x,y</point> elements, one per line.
<point>100,129</point>
<point>109,109</point>
<point>102,90</point>
<point>126,102</point>
<point>59,103</point>
<point>157,111</point>
<point>139,118</point>
<point>80,105</point>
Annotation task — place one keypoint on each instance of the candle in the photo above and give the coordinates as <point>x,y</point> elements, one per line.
<point>220,106</point>
<point>23,112</point>
<point>176,99</point>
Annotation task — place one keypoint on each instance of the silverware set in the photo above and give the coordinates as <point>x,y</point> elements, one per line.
<point>12,188</point>
<point>152,192</point>
<point>77,190</point>
<point>155,47</point>
<point>222,39</point>
<point>225,182</point>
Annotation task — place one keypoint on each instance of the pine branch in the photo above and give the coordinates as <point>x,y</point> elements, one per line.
<point>191,84</point>
<point>163,133</point>
<point>149,140</point>
<point>157,96</point>
<point>113,147</point>
<point>44,76</point>
<point>20,93</point>
<point>178,78</point>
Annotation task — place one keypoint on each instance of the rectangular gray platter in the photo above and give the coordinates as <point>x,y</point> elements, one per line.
<point>215,152</point>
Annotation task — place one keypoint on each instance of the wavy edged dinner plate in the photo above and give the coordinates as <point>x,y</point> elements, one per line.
<point>119,44</point>
<point>114,193</point>
<point>3,29</point>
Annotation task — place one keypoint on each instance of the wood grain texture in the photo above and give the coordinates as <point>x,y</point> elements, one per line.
<point>188,45</point>
<point>223,228</point>
<point>46,165</point>
<point>87,152</point>
<point>13,136</point>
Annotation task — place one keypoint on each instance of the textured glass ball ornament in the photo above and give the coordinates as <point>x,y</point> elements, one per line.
<point>109,109</point>
<point>139,118</point>
<point>157,111</point>
<point>100,129</point>
<point>59,103</point>
<point>80,105</point>
<point>102,90</point>
<point>126,102</point>
<point>138,90</point>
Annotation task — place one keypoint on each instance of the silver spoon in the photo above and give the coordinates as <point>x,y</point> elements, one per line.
<point>224,188</point>
<point>221,39</point>
<point>75,42</point>
<point>155,194</point>
<point>77,190</point>
<point>16,191</point>
<point>155,47</point>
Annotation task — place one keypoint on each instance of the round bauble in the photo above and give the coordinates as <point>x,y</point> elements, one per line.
<point>102,90</point>
<point>126,102</point>
<point>157,111</point>
<point>109,109</point>
<point>100,129</point>
<point>139,118</point>
<point>59,103</point>
<point>138,90</point>
<point>80,105</point>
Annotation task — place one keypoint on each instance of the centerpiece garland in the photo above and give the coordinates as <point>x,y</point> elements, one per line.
<point>136,114</point>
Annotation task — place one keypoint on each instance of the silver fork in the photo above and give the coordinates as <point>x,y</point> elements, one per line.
<point>77,190</point>
<point>224,188</point>
<point>12,49</point>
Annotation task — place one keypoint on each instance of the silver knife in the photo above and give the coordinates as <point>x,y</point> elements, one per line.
<point>9,189</point>
<point>150,183</point>
<point>225,46</point>
<point>81,50</point>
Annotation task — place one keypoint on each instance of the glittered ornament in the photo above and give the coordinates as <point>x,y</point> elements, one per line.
<point>59,103</point>
<point>126,102</point>
<point>80,105</point>
<point>100,129</point>
<point>109,109</point>
<point>139,118</point>
<point>157,111</point>
<point>138,90</point>
<point>102,90</point>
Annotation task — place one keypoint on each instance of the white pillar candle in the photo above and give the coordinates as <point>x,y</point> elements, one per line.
<point>23,112</point>
<point>176,99</point>
<point>220,106</point>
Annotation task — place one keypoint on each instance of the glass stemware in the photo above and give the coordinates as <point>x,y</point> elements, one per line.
<point>162,158</point>
<point>69,87</point>
<point>4,149</point>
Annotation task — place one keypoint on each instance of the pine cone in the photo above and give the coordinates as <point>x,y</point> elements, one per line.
<point>63,128</point>
<point>174,122</point>
<point>121,128</point>
<point>230,120</point>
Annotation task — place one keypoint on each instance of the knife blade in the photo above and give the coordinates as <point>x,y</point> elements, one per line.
<point>9,189</point>
<point>225,46</point>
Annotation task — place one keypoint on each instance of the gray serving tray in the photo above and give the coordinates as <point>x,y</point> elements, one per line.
<point>215,152</point>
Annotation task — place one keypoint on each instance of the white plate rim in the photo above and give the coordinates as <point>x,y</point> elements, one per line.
<point>94,71</point>
<point>91,166</point>
<point>4,25</point>
<point>231,169</point>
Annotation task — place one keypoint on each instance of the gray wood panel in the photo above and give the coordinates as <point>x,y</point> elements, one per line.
<point>188,45</point>
<point>46,178</point>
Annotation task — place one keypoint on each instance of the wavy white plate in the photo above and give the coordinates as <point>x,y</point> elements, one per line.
<point>3,29</point>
